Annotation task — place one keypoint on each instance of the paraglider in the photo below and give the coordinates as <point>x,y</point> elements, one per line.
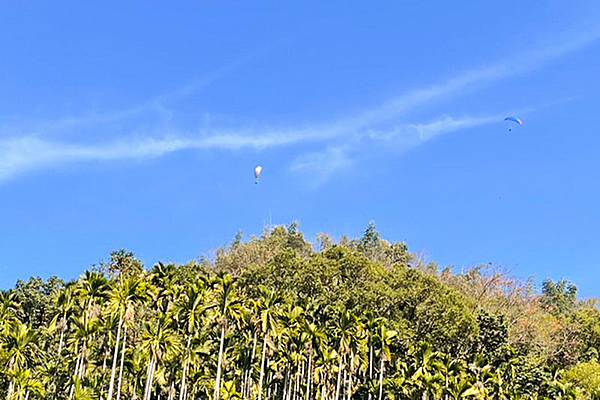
<point>516,120</point>
<point>257,173</point>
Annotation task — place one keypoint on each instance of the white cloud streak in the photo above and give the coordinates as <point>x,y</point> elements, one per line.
<point>23,154</point>
<point>415,134</point>
<point>524,62</point>
<point>18,155</point>
<point>322,165</point>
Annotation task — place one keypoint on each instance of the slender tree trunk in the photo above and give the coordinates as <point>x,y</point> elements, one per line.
<point>220,364</point>
<point>104,362</point>
<point>350,375</point>
<point>61,342</point>
<point>249,379</point>
<point>27,395</point>
<point>300,379</point>
<point>120,382</point>
<point>262,367</point>
<point>296,385</point>
<point>344,391</point>
<point>370,366</point>
<point>152,380</point>
<point>183,386</point>
<point>135,389</point>
<point>290,392</point>
<point>79,364</point>
<point>244,384</point>
<point>309,375</point>
<point>339,377</point>
<point>290,386</point>
<point>11,388</point>
<point>247,373</point>
<point>149,379</point>
<point>171,391</point>
<point>82,365</point>
<point>76,374</point>
<point>445,386</point>
<point>285,384</point>
<point>111,385</point>
<point>381,372</point>
<point>11,385</point>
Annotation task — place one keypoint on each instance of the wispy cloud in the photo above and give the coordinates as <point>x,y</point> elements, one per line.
<point>383,123</point>
<point>158,105</point>
<point>322,165</point>
<point>19,155</point>
<point>524,61</point>
<point>418,133</point>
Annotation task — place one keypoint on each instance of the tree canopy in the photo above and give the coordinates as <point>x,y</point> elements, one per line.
<point>276,317</point>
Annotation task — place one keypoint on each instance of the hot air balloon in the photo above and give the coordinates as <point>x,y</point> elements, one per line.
<point>516,120</point>
<point>257,172</point>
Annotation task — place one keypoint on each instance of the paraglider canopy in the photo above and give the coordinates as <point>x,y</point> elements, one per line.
<point>257,171</point>
<point>516,120</point>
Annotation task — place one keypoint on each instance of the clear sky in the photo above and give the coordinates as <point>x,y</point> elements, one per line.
<point>138,126</point>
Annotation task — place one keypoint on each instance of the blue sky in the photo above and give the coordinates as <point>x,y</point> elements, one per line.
<point>136,126</point>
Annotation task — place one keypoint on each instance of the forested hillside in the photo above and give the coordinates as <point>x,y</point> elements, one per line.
<point>276,317</point>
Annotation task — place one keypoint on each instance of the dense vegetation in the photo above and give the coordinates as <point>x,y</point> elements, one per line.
<point>275,318</point>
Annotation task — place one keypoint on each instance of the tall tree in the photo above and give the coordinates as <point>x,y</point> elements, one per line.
<point>229,308</point>
<point>123,296</point>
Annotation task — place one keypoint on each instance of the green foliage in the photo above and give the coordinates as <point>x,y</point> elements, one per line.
<point>32,298</point>
<point>493,332</point>
<point>559,297</point>
<point>586,376</point>
<point>123,263</point>
<point>587,319</point>
<point>272,318</point>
